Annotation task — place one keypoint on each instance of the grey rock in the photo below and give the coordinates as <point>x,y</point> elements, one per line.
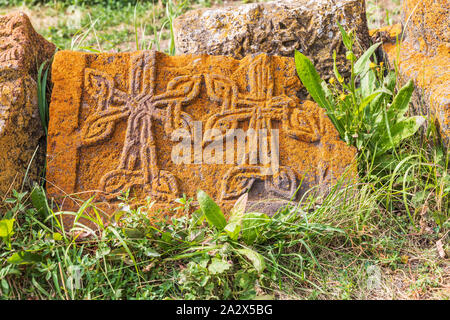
<point>276,28</point>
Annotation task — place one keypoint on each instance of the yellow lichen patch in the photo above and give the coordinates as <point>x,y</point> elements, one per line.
<point>114,117</point>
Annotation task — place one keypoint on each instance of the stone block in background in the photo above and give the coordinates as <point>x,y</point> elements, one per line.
<point>112,117</point>
<point>276,28</point>
<point>22,51</point>
<point>424,56</point>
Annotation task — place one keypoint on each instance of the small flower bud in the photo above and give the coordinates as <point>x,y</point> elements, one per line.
<point>350,56</point>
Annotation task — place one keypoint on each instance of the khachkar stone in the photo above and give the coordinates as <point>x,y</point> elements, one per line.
<point>276,28</point>
<point>115,119</point>
<point>22,50</point>
<point>424,56</point>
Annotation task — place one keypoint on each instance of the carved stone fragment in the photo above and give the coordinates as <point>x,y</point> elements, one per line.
<point>276,28</point>
<point>22,147</point>
<point>114,118</point>
<point>424,56</point>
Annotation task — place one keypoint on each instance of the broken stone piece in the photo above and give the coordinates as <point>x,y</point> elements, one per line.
<point>22,148</point>
<point>276,28</point>
<point>117,121</point>
<point>424,56</point>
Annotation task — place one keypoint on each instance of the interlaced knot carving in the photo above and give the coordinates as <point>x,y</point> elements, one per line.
<point>140,106</point>
<point>138,165</point>
<point>259,107</point>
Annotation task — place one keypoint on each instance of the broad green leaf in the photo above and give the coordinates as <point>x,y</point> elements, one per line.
<point>400,131</point>
<point>6,227</point>
<point>252,225</point>
<point>233,229</point>
<point>166,237</point>
<point>368,99</point>
<point>374,115</point>
<point>368,82</point>
<point>218,266</point>
<point>377,106</point>
<point>211,210</point>
<point>310,79</point>
<point>57,236</point>
<point>313,83</point>
<point>24,257</point>
<point>7,230</point>
<point>239,208</point>
<point>401,102</point>
<point>39,201</point>
<point>363,62</point>
<point>255,258</point>
<point>151,253</point>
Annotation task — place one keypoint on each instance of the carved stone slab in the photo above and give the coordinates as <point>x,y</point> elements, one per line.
<point>276,28</point>
<point>22,138</point>
<point>424,56</point>
<point>113,119</point>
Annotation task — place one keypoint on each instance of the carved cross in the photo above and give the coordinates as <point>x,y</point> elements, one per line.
<point>259,107</point>
<point>138,165</point>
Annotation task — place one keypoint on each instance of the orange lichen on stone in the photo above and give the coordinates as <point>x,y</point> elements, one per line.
<point>113,119</point>
<point>432,79</point>
<point>426,23</point>
<point>22,148</point>
<point>424,56</point>
<point>386,33</point>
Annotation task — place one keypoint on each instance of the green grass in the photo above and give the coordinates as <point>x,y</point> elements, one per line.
<point>109,26</point>
<point>327,247</point>
<point>383,12</point>
<point>319,249</point>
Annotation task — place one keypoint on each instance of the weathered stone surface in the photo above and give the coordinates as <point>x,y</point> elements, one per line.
<point>112,117</point>
<point>275,28</point>
<point>21,51</point>
<point>427,24</point>
<point>424,56</point>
